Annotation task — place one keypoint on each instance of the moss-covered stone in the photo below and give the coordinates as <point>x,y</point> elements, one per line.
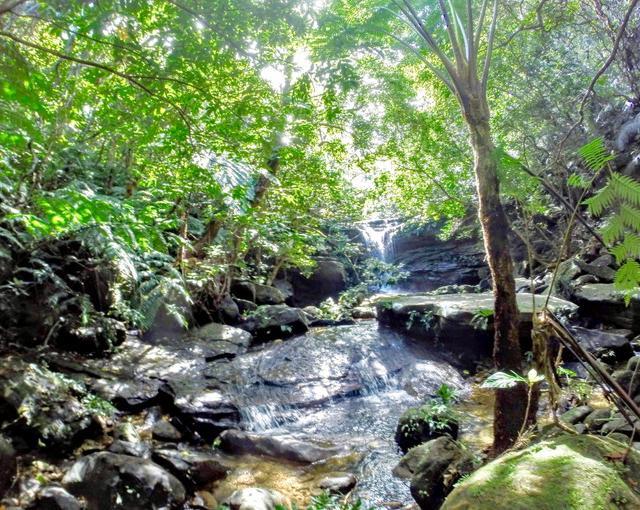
<point>567,472</point>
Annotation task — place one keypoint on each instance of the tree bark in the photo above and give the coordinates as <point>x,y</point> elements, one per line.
<point>510,405</point>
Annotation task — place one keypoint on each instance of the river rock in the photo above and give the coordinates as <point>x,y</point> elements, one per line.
<point>442,464</point>
<point>195,468</point>
<point>328,280</point>
<point>596,419</point>
<point>629,380</point>
<point>338,483</point>
<point>270,322</point>
<point>602,271</point>
<point>602,302</point>
<point>54,498</point>
<point>246,307</point>
<point>268,295</point>
<point>417,426</point>
<point>43,406</point>
<point>8,465</point>
<point>452,319</point>
<point>602,342</point>
<point>568,472</point>
<point>285,447</point>
<point>576,414</point>
<point>139,449</point>
<point>257,499</point>
<point>225,341</point>
<point>118,482</point>
<point>409,462</point>
<point>165,431</point>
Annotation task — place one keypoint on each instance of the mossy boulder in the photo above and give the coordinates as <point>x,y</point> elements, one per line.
<point>418,425</point>
<point>567,472</point>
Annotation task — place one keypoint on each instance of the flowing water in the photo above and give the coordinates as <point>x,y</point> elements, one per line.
<point>345,386</point>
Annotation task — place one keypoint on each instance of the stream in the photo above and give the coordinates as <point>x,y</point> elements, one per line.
<point>344,386</point>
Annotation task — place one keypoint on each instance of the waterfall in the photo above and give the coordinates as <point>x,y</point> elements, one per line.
<point>378,236</point>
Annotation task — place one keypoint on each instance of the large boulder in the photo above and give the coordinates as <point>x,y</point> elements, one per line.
<point>269,322</point>
<point>442,463</point>
<point>284,447</point>
<point>268,295</point>
<point>8,465</point>
<point>195,468</point>
<point>569,472</point>
<point>613,345</point>
<point>43,407</point>
<point>328,280</point>
<point>54,498</point>
<point>257,499</point>
<point>119,482</point>
<point>418,425</point>
<point>602,302</point>
<point>224,341</point>
<point>461,323</point>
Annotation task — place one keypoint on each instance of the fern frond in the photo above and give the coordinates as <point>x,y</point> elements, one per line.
<point>628,249</point>
<point>630,217</point>
<point>614,230</point>
<point>627,279</point>
<point>625,188</point>
<point>595,155</point>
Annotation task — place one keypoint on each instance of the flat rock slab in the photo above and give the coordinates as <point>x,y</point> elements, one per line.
<point>452,319</point>
<point>602,302</point>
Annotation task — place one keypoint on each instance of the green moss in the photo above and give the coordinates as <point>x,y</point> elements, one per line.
<point>568,473</point>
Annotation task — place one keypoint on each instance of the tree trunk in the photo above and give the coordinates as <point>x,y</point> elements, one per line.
<point>510,405</point>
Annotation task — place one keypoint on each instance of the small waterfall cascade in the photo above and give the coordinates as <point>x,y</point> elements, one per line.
<point>378,235</point>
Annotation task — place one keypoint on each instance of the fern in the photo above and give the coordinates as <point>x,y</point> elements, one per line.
<point>619,199</point>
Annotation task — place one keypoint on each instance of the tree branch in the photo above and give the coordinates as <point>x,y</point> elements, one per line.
<point>455,45</point>
<point>487,59</point>
<point>9,5</point>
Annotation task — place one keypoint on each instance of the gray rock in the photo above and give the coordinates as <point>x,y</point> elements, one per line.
<point>364,312</point>
<point>223,341</point>
<point>8,465</point>
<point>243,289</point>
<point>443,464</point>
<point>408,464</point>
<point>602,302</point>
<point>283,447</point>
<point>629,380</point>
<point>228,310</point>
<point>256,499</point>
<point>634,364</point>
<point>245,306</point>
<point>119,482</point>
<point>603,260</point>
<point>596,420</point>
<point>139,449</point>
<point>328,280</point>
<point>568,271</point>
<point>313,312</point>
<point>271,322</point>
<point>45,403</point>
<point>54,498</point>
<point>126,431</point>
<point>602,342</point>
<point>338,483</point>
<point>602,272</point>
<point>585,279</point>
<point>165,431</point>
<point>195,468</point>
<point>618,424</point>
<point>267,295</point>
<point>576,414</point>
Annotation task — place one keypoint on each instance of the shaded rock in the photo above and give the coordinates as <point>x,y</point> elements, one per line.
<point>267,295</point>
<point>193,467</point>
<point>576,414</point>
<point>569,472</point>
<point>629,380</point>
<point>140,449</point>
<point>602,302</point>
<point>443,463</point>
<point>54,498</point>
<point>596,420</point>
<point>126,431</point>
<point>602,343</point>
<point>619,424</point>
<point>338,483</point>
<point>270,322</point>
<point>165,431</point>
<point>603,260</point>
<point>567,271</point>
<point>419,425</point>
<point>256,499</point>
<point>243,289</point>
<point>584,280</point>
<point>328,280</point>
<point>8,465</point>
<point>284,447</point>
<point>408,464</point>
<point>43,406</point>
<point>313,312</point>
<point>102,336</point>
<point>634,364</point>
<point>245,306</point>
<point>228,310</point>
<point>223,341</point>
<point>602,272</point>
<point>109,481</point>
<point>364,312</point>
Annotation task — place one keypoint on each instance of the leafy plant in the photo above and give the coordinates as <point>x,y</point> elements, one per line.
<point>437,413</point>
<point>481,318</point>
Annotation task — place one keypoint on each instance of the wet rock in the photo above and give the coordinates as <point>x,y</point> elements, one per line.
<point>55,498</point>
<point>195,468</point>
<point>165,431</point>
<point>224,341</point>
<point>338,483</point>
<point>419,425</point>
<point>569,471</point>
<point>270,322</point>
<point>600,342</point>
<point>256,499</point>
<point>267,295</point>
<point>119,482</point>
<point>442,464</point>
<point>8,465</point>
<point>602,302</point>
<point>576,414</point>
<point>596,420</point>
<point>602,272</point>
<point>284,447</point>
<point>141,449</point>
<point>42,406</point>
<point>242,289</point>
<point>452,319</point>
